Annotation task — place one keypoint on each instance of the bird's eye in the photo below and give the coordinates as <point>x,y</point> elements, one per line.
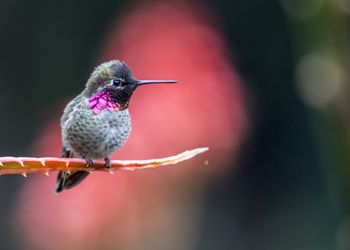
<point>116,82</point>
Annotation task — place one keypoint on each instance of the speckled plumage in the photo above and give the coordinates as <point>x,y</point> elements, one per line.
<point>93,135</point>
<point>96,123</point>
<point>90,134</point>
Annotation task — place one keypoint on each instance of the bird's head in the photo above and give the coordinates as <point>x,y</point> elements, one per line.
<point>111,86</point>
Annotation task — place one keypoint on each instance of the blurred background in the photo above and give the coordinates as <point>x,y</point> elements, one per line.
<point>264,84</point>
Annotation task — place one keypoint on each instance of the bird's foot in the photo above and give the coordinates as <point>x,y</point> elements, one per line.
<point>66,153</point>
<point>88,160</point>
<point>108,163</point>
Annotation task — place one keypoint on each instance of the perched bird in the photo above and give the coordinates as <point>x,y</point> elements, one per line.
<point>96,123</point>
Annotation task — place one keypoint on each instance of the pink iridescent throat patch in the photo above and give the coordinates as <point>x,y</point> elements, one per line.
<point>102,100</point>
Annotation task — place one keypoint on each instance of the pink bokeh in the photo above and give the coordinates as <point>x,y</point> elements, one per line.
<point>150,208</point>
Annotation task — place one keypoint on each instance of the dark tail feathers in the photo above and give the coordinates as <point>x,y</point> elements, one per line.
<point>69,180</point>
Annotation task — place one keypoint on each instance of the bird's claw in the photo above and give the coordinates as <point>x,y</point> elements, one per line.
<point>108,162</point>
<point>66,153</point>
<point>89,162</point>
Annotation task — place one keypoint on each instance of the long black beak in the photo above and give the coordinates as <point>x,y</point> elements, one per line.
<point>143,82</point>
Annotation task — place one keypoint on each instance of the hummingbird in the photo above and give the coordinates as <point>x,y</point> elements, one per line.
<point>96,123</point>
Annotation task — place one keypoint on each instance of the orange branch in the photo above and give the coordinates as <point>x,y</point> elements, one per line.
<point>27,165</point>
